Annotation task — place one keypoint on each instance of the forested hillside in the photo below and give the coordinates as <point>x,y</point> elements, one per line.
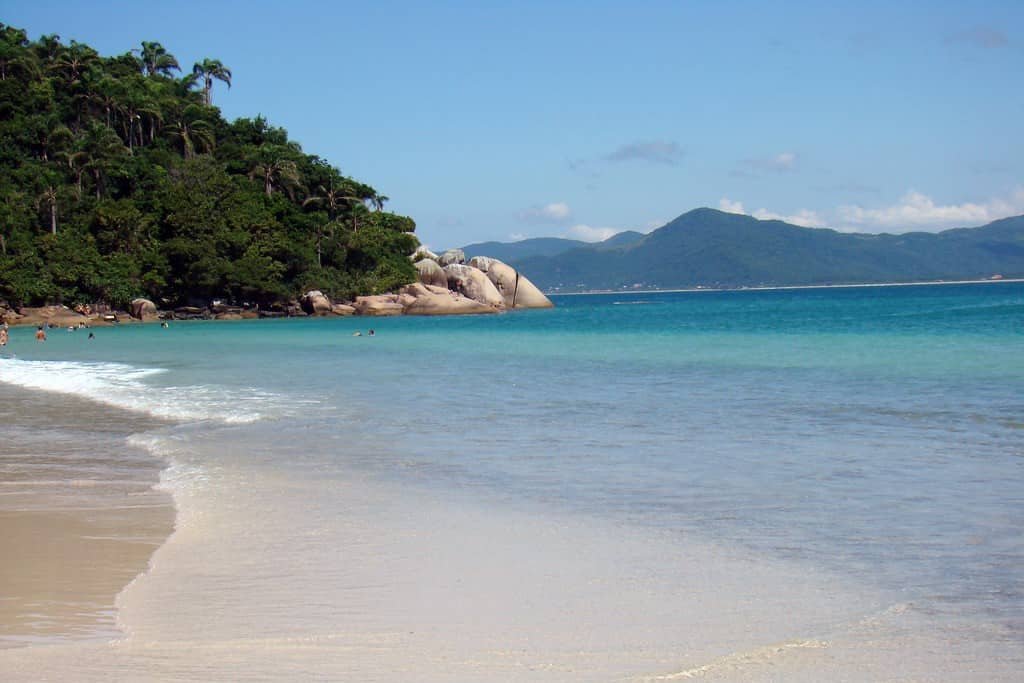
<point>709,248</point>
<point>120,178</point>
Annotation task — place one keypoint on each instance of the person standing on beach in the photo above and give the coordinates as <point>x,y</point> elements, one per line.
<point>41,334</point>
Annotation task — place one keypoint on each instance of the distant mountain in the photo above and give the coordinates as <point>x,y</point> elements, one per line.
<point>514,251</point>
<point>710,248</point>
<point>621,239</point>
<point>545,246</point>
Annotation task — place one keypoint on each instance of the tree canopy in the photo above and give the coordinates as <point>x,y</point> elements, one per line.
<point>121,179</point>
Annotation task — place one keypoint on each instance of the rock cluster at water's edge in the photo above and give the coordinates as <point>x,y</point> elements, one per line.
<point>447,286</point>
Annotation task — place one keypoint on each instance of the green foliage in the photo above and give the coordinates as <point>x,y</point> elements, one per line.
<point>120,179</point>
<point>710,248</point>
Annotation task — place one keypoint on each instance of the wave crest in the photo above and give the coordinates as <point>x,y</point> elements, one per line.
<point>126,386</point>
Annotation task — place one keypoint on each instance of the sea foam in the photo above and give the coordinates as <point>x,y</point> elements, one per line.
<point>127,387</point>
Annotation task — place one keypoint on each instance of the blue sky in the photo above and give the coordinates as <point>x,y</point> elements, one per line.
<point>486,120</point>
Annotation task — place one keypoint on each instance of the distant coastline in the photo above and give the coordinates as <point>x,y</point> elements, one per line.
<point>928,283</point>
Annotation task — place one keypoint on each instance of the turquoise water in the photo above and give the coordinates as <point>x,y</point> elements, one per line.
<point>876,433</point>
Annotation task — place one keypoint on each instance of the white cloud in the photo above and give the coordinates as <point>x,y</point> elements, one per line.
<point>591,234</point>
<point>729,206</point>
<point>915,210</point>
<point>779,163</point>
<point>555,212</point>
<point>804,217</point>
<point>655,152</point>
<point>517,237</point>
<point>784,161</point>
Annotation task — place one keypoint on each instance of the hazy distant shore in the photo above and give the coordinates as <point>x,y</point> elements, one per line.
<point>789,287</point>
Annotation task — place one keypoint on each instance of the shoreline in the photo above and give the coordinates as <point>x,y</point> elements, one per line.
<point>924,283</point>
<point>80,515</point>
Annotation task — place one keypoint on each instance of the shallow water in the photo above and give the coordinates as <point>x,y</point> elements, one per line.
<point>713,484</point>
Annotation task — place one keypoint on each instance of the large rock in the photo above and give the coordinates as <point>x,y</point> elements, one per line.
<point>423,253</point>
<point>474,284</point>
<point>379,305</point>
<point>419,299</point>
<point>430,273</point>
<point>143,309</point>
<point>315,302</point>
<point>61,316</point>
<point>482,262</point>
<point>515,289</point>
<point>452,257</point>
<point>191,313</point>
<point>343,309</point>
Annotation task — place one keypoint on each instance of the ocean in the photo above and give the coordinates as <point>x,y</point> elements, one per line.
<point>720,485</point>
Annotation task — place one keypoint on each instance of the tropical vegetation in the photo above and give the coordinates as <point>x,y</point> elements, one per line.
<point>119,178</point>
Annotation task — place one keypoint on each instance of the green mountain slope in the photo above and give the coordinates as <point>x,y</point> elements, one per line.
<point>514,251</point>
<point>710,248</point>
<point>546,246</point>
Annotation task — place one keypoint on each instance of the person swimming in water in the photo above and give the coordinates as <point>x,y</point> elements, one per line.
<point>40,334</point>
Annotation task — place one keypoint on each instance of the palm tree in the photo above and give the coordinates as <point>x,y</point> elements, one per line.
<point>49,135</point>
<point>137,107</point>
<point>101,147</point>
<point>103,95</point>
<point>358,209</point>
<point>48,199</point>
<point>162,101</point>
<point>269,164</point>
<point>155,59</point>
<point>14,55</point>
<point>377,201</point>
<point>209,69</point>
<point>333,200</point>
<point>77,161</point>
<point>47,47</point>
<point>191,130</point>
<point>75,60</point>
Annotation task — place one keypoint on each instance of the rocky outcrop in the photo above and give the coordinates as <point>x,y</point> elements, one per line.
<point>473,284</point>
<point>379,305</point>
<point>430,273</point>
<point>482,262</point>
<point>420,299</point>
<point>143,309</point>
<point>452,257</point>
<point>60,316</point>
<point>515,289</point>
<point>192,313</point>
<point>484,285</point>
<point>343,309</point>
<point>315,302</point>
<point>424,253</point>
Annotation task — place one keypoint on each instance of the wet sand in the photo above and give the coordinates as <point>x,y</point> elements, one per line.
<point>78,516</point>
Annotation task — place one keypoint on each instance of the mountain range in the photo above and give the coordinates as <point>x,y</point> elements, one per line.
<point>709,248</point>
